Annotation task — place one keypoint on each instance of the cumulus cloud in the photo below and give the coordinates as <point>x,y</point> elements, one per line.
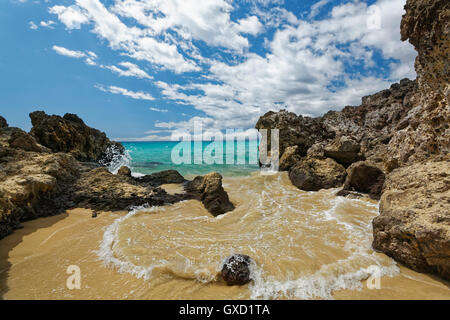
<point>308,65</point>
<point>72,17</point>
<point>139,95</point>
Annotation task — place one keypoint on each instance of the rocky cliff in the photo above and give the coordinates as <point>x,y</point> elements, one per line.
<point>395,145</point>
<point>41,175</point>
<point>70,134</point>
<point>414,222</point>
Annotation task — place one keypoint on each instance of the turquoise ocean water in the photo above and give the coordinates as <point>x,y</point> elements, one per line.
<point>150,157</point>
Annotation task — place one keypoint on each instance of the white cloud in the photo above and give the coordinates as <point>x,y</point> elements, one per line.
<point>315,8</point>
<point>73,17</point>
<point>159,110</point>
<point>310,66</point>
<point>139,95</point>
<point>32,25</point>
<point>250,25</point>
<point>89,56</point>
<point>130,70</point>
<point>69,53</point>
<point>133,41</point>
<point>47,24</point>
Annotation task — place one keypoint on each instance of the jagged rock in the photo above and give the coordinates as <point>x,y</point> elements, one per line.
<point>16,138</point>
<point>33,185</point>
<point>163,177</point>
<point>124,171</point>
<point>99,189</point>
<point>414,222</point>
<point>317,151</point>
<point>371,125</point>
<point>236,270</point>
<point>70,134</point>
<point>294,130</point>
<point>364,177</point>
<point>312,174</point>
<point>3,122</point>
<point>289,158</point>
<point>344,150</point>
<point>427,132</point>
<point>413,225</point>
<point>208,189</point>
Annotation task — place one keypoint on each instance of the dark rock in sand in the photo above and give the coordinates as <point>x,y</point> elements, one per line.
<point>364,177</point>
<point>163,177</point>
<point>69,134</point>
<point>124,171</point>
<point>208,189</point>
<point>3,122</point>
<point>236,270</point>
<point>312,174</point>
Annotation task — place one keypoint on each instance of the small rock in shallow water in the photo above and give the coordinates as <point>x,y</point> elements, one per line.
<point>236,270</point>
<point>94,214</point>
<point>124,171</point>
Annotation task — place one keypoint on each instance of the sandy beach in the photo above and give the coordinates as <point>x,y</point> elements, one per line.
<point>34,260</point>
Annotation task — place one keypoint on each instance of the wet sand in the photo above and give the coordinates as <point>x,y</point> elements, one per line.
<point>305,245</point>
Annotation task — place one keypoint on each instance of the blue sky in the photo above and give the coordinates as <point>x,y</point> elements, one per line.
<point>139,69</point>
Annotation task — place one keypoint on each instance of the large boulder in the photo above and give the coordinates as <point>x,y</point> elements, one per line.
<point>208,189</point>
<point>364,177</point>
<point>236,270</point>
<point>414,222</point>
<point>344,150</point>
<point>69,134</point>
<point>312,174</point>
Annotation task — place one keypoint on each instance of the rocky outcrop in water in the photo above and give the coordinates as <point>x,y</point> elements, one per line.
<point>36,180</point>
<point>236,270</point>
<point>312,174</point>
<point>70,134</point>
<point>208,189</point>
<point>403,133</point>
<point>164,177</point>
<point>364,177</point>
<point>99,189</point>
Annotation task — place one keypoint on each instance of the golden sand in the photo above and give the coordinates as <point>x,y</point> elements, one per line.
<point>306,245</point>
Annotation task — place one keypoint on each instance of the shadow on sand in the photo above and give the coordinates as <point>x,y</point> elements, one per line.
<point>11,241</point>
